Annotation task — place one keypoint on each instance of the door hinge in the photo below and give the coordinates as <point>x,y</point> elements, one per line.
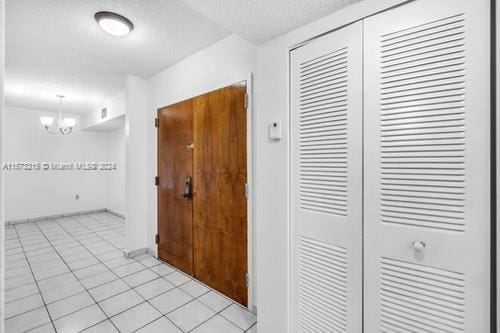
<point>157,122</point>
<point>157,181</point>
<point>246,280</point>
<point>246,101</point>
<point>246,190</point>
<point>157,239</point>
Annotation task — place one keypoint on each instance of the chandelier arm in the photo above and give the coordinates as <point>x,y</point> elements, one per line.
<point>51,131</point>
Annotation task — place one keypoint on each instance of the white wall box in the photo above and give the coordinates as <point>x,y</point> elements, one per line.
<point>390,173</point>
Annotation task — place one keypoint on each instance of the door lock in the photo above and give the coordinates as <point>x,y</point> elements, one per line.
<point>187,189</point>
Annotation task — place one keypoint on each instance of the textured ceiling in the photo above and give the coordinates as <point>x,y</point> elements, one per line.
<point>56,47</point>
<point>262,20</point>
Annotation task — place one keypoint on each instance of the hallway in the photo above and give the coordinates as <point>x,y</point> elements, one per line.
<point>69,275</point>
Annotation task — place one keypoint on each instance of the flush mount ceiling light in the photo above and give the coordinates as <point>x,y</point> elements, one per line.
<point>114,24</point>
<point>64,125</point>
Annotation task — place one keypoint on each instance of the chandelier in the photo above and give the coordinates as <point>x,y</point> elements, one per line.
<point>64,125</point>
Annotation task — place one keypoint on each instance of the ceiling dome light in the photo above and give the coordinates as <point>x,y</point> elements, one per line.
<point>114,24</point>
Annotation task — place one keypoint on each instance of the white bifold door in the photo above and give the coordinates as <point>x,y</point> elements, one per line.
<point>427,168</point>
<point>327,183</point>
<point>390,173</point>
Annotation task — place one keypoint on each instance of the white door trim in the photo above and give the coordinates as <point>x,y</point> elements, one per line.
<point>248,78</point>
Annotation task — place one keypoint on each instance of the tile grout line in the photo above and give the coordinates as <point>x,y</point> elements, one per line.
<point>38,287</point>
<point>82,231</point>
<point>132,288</point>
<point>64,261</point>
<point>194,298</point>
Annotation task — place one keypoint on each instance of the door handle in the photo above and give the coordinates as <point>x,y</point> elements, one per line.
<point>418,245</point>
<point>186,193</point>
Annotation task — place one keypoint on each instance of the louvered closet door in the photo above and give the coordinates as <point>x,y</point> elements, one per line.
<point>326,183</point>
<point>427,192</point>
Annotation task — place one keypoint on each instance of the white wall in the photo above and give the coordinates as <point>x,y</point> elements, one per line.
<point>137,161</point>
<point>221,64</point>
<point>2,66</point>
<point>116,181</point>
<point>115,108</point>
<point>30,194</point>
<point>272,192</point>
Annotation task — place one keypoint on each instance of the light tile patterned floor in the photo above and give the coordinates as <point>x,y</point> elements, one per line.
<point>69,275</point>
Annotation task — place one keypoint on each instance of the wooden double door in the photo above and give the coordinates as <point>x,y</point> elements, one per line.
<point>202,201</point>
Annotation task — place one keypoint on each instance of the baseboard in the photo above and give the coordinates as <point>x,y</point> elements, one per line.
<point>58,216</point>
<point>114,213</point>
<point>138,252</point>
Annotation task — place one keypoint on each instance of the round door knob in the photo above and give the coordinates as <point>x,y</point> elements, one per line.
<point>419,246</point>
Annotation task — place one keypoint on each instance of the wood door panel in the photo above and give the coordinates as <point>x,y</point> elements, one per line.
<point>175,162</point>
<point>220,203</point>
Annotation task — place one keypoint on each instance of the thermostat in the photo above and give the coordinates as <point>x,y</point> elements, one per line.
<point>275,131</point>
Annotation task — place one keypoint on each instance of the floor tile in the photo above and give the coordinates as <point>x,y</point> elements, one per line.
<point>69,255</point>
<point>177,278</point>
<point>154,288</point>
<point>215,301</point>
<point>22,305</point>
<point>20,292</point>
<point>128,269</point>
<point>23,270</point>
<point>63,291</point>
<point>57,281</point>
<point>50,272</point>
<point>75,265</point>
<point>194,288</point>
<point>90,271</point>
<point>104,327</point>
<point>47,328</point>
<point>217,324</point>
<point>170,300</point>
<point>70,304</point>
<point>135,318</point>
<point>162,325</point>
<point>79,320</point>
<point>117,262</point>
<point>97,280</point>
<point>139,278</point>
<point>253,329</point>
<point>162,269</point>
<point>18,281</point>
<point>191,315</point>
<point>121,302</point>
<point>239,316</point>
<point>150,262</point>
<point>110,255</point>
<point>27,321</point>
<point>108,290</point>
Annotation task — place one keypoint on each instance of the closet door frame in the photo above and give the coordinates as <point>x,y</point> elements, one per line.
<point>370,10</point>
<point>248,78</point>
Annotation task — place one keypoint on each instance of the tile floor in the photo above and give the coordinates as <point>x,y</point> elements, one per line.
<point>69,275</point>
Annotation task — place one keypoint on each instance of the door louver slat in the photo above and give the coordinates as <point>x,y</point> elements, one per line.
<point>422,126</point>
<point>421,298</point>
<point>322,286</point>
<point>323,120</point>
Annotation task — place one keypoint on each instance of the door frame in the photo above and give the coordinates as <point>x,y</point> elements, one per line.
<point>371,9</point>
<point>248,78</point>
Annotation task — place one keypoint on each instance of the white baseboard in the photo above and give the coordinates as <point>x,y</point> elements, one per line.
<point>138,252</point>
<point>114,213</point>
<point>58,216</point>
